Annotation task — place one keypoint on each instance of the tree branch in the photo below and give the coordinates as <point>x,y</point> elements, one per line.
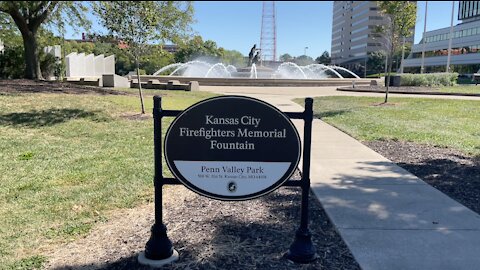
<point>37,21</point>
<point>19,20</point>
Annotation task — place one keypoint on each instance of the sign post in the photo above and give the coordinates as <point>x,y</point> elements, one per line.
<point>230,148</point>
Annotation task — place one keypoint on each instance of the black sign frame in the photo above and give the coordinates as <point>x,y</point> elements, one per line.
<point>159,247</point>
<point>178,175</point>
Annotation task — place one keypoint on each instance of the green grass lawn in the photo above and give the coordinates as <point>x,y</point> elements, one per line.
<point>66,161</point>
<point>470,89</point>
<point>447,123</point>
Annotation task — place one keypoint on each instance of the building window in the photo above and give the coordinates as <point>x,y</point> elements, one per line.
<point>455,51</point>
<point>359,14</point>
<point>359,38</point>
<point>360,21</point>
<point>364,45</point>
<point>360,29</point>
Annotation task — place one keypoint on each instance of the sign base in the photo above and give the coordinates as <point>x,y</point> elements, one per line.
<point>157,263</point>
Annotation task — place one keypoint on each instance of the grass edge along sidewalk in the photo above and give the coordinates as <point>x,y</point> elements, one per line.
<point>437,122</point>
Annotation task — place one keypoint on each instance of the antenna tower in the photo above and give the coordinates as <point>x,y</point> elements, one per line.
<point>268,35</point>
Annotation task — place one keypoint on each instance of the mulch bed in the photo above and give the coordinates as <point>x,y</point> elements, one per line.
<point>211,234</point>
<point>448,170</point>
<point>22,86</point>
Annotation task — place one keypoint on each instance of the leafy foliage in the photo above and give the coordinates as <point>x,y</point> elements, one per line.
<point>431,79</point>
<point>29,16</point>
<point>233,57</point>
<point>376,62</point>
<point>138,23</point>
<point>286,58</point>
<point>12,63</point>
<point>324,58</point>
<point>303,60</point>
<point>196,47</point>
<point>401,17</point>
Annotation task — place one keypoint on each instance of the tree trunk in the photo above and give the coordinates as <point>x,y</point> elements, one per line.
<point>140,85</point>
<point>32,63</point>
<point>389,70</point>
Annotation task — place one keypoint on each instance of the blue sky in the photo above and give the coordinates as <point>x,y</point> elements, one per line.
<point>235,25</point>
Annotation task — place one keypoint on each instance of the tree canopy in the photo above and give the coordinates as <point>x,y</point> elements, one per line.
<point>324,58</point>
<point>138,23</point>
<point>30,16</point>
<point>401,16</point>
<point>286,58</point>
<point>196,48</point>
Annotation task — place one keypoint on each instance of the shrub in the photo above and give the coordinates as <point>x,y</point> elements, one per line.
<point>12,63</point>
<point>431,79</point>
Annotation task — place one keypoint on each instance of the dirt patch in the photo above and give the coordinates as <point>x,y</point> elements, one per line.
<point>136,116</point>
<point>23,86</point>
<point>383,104</point>
<point>453,173</point>
<point>210,234</point>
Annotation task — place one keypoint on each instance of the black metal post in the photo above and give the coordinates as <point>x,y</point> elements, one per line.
<point>302,249</point>
<point>158,247</point>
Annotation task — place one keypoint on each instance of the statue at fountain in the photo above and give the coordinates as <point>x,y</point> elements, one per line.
<point>251,55</point>
<point>255,58</point>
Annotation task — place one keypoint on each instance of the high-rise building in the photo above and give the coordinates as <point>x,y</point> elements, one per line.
<point>353,33</point>
<point>465,48</point>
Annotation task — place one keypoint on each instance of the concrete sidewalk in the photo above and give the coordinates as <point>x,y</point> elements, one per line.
<point>388,217</point>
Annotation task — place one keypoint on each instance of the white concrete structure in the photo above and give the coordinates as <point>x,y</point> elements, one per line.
<point>98,62</point>
<point>82,66</point>
<point>89,66</point>
<point>54,50</point>
<point>109,64</point>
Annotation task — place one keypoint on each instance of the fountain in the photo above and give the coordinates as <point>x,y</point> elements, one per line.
<point>287,70</point>
<point>278,74</point>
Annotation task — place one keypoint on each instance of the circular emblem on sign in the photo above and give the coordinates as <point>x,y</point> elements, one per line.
<point>241,143</point>
<point>232,186</point>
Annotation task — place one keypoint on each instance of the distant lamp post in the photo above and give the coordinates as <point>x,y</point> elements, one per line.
<point>450,39</point>
<point>305,51</point>
<point>422,67</point>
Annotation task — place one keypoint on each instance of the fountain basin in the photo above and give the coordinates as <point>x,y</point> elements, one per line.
<point>256,82</point>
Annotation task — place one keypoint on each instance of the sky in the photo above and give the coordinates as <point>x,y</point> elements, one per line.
<point>236,25</point>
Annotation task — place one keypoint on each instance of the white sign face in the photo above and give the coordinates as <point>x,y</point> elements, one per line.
<point>232,148</point>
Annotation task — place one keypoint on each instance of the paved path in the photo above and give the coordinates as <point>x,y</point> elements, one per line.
<point>389,218</point>
<point>295,92</point>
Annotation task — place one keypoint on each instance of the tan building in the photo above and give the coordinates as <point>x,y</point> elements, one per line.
<point>353,33</point>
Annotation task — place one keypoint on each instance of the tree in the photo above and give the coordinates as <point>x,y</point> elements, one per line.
<point>138,23</point>
<point>233,57</point>
<point>286,58</point>
<point>303,60</point>
<point>401,17</point>
<point>376,61</point>
<point>324,58</point>
<point>154,59</point>
<point>196,47</point>
<point>29,16</point>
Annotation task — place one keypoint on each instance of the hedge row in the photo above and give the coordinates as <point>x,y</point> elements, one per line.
<point>430,79</point>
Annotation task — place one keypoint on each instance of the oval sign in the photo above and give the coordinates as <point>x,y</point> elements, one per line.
<point>232,148</point>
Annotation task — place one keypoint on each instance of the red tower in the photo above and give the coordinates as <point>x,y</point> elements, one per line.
<point>268,35</point>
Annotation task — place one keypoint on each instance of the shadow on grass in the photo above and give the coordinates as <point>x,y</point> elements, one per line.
<point>45,118</point>
<point>330,113</point>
